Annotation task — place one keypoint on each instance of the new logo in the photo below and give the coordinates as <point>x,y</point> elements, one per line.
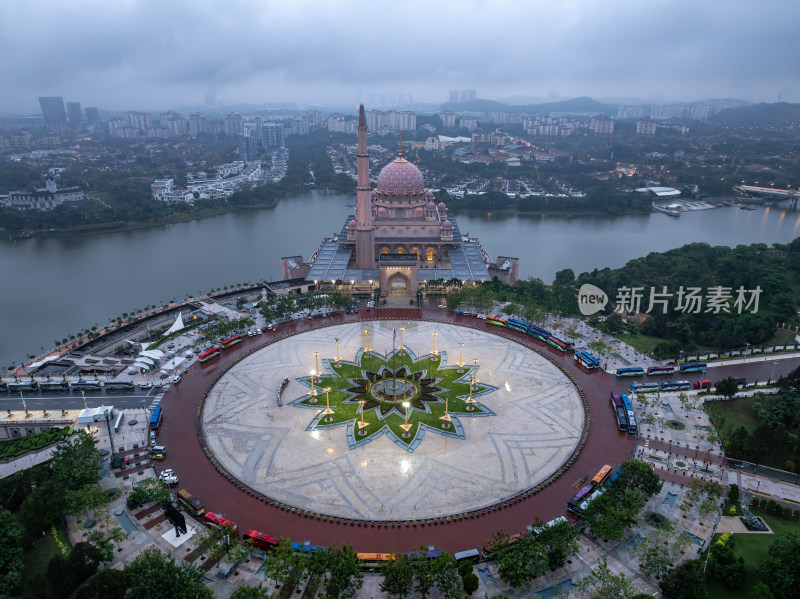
<point>591,299</point>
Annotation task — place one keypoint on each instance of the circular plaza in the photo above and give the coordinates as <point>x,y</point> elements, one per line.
<point>391,422</point>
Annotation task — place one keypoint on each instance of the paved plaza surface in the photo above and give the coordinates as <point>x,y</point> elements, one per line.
<point>537,423</point>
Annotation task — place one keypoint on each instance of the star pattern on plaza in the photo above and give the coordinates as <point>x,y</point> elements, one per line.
<point>396,394</point>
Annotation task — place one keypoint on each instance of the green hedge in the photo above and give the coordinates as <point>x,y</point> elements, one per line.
<point>16,447</point>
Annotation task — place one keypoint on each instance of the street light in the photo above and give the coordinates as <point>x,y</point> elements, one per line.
<point>366,349</point>
<point>461,357</point>
<point>362,425</point>
<point>337,351</point>
<point>328,410</point>
<point>402,347</point>
<point>434,342</point>
<point>406,426</point>
<point>313,391</point>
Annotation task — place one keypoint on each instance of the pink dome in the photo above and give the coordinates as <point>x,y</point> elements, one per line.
<point>430,206</point>
<point>429,194</point>
<point>447,225</point>
<point>352,224</point>
<point>400,177</point>
<point>441,206</point>
<point>373,194</point>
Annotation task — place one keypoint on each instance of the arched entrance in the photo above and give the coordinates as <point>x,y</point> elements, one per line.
<point>398,285</point>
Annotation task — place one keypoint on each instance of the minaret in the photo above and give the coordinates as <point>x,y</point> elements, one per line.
<point>365,232</point>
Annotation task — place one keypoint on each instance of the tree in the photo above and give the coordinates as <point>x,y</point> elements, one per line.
<point>609,516</point>
<point>157,574</point>
<point>684,582</point>
<point>344,568</point>
<point>725,566</point>
<point>733,493</point>
<point>105,584</point>
<point>761,591</point>
<point>11,564</point>
<point>521,561</point>
<point>660,548</point>
<point>280,562</point>
<point>398,576</point>
<point>251,592</point>
<point>445,572</point>
<point>423,573</point>
<point>727,387</point>
<point>782,572</point>
<point>559,542</point>
<point>601,583</point>
<point>470,582</point>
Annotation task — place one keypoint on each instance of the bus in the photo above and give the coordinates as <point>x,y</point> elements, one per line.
<point>601,475</point>
<point>211,352</point>
<point>517,325</point>
<point>538,333</point>
<point>656,370</point>
<point>579,497</point>
<point>694,367</point>
<point>592,496</point>
<point>630,372</point>
<point>20,386</point>
<point>644,387</point>
<point>472,555</point>
<point>53,386</point>
<point>540,529</point>
<point>619,411</point>
<point>155,419</point>
<point>499,322</point>
<point>559,344</point>
<point>118,386</point>
<point>85,386</point>
<point>626,402</point>
<point>587,360</point>
<point>674,385</point>
<point>191,503</point>
<point>231,341</point>
<point>632,428</point>
<point>371,561</point>
<point>260,539</point>
<point>218,521</point>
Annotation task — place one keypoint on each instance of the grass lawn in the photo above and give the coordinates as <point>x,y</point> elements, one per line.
<point>38,557</point>
<point>782,337</point>
<point>642,343</point>
<point>727,416</point>
<point>753,549</point>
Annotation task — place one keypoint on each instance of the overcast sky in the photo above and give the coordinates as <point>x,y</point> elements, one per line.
<point>158,54</point>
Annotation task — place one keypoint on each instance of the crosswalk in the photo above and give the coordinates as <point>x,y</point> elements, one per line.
<point>157,400</point>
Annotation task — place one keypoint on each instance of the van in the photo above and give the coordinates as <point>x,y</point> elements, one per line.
<point>158,449</point>
<point>702,384</point>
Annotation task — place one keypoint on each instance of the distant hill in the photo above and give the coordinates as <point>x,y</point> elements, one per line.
<point>575,105</point>
<point>759,115</point>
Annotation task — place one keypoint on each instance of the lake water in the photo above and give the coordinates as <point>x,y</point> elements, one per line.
<point>54,287</point>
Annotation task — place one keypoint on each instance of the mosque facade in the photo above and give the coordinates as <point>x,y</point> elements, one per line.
<point>400,239</point>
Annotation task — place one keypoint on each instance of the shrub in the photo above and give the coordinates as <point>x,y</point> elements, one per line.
<point>470,582</point>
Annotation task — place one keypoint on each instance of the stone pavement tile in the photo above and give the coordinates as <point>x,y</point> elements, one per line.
<point>735,525</point>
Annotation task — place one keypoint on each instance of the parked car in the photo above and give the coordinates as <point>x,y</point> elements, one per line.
<point>259,331</point>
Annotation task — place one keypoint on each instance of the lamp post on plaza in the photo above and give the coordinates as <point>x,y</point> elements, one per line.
<point>316,365</point>
<point>461,357</point>
<point>366,349</point>
<point>361,424</point>
<point>402,347</point>
<point>434,342</point>
<point>328,410</point>
<point>313,390</point>
<point>406,426</point>
<point>470,402</point>
<point>337,352</point>
<point>446,417</point>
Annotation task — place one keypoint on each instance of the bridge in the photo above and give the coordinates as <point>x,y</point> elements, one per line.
<point>768,191</point>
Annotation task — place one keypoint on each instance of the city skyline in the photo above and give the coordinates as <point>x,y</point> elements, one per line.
<point>143,56</point>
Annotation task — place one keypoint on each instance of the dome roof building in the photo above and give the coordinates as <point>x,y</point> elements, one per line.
<point>399,239</point>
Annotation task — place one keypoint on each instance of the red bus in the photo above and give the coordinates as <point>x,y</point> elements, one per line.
<point>231,341</point>
<point>218,521</point>
<point>261,539</point>
<point>209,353</point>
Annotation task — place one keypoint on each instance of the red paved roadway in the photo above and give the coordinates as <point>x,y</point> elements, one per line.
<point>605,445</point>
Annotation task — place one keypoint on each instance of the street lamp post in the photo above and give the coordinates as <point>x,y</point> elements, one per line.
<point>313,390</point>
<point>362,425</point>
<point>366,349</point>
<point>337,352</point>
<point>446,418</point>
<point>402,347</point>
<point>406,426</point>
<point>328,410</point>
<point>461,357</point>
<point>316,364</point>
<point>434,342</point>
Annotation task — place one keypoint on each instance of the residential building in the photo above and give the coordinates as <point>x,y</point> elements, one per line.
<point>53,110</point>
<point>645,128</point>
<point>602,126</point>
<point>44,199</point>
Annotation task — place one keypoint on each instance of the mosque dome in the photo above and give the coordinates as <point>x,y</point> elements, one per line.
<point>400,177</point>
<point>447,225</point>
<point>352,224</point>
<point>441,206</point>
<point>373,194</point>
<point>429,195</point>
<point>430,206</point>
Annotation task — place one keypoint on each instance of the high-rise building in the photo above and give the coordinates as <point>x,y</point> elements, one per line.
<point>448,118</point>
<point>93,114</point>
<point>468,94</point>
<point>197,124</point>
<point>602,126</point>
<point>272,136</point>
<point>453,97</point>
<point>53,110</point>
<point>645,128</point>
<point>234,124</point>
<point>75,114</point>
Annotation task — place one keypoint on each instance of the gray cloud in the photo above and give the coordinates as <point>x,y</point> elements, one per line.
<point>151,54</point>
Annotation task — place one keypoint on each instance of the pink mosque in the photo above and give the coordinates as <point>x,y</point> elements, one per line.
<point>400,239</point>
